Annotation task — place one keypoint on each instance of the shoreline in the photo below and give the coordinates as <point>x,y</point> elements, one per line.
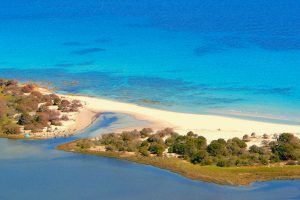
<point>210,126</point>
<point>233,176</point>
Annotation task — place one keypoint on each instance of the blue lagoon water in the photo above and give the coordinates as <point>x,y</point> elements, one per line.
<point>35,170</point>
<point>227,57</point>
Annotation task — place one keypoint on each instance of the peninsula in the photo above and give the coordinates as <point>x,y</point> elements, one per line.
<point>211,148</point>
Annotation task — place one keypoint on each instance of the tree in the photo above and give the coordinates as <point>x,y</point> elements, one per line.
<point>256,149</point>
<point>236,146</point>
<point>156,148</point>
<point>217,147</point>
<point>285,152</point>
<point>198,157</point>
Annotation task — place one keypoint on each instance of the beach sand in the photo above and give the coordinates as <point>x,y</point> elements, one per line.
<point>210,126</point>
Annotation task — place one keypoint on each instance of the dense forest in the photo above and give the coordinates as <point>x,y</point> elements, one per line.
<point>285,149</point>
<point>24,108</point>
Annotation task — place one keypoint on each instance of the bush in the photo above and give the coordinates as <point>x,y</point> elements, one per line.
<point>198,157</point>
<point>56,123</point>
<point>285,152</point>
<point>28,88</point>
<point>56,101</point>
<point>144,151</point>
<point>222,163</point>
<point>145,132</point>
<point>256,149</point>
<point>84,144</point>
<point>217,147</point>
<point>11,128</point>
<point>24,119</point>
<point>156,148</point>
<point>110,148</point>
<point>65,118</point>
<point>246,138</point>
<point>42,118</point>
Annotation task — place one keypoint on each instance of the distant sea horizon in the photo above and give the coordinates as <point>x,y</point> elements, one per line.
<point>209,57</point>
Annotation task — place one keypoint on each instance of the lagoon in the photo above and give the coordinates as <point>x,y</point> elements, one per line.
<point>35,170</point>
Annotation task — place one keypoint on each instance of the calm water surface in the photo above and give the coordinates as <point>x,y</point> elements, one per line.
<point>35,170</point>
<point>228,57</point>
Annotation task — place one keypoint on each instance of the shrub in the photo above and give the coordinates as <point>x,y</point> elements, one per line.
<point>110,148</point>
<point>56,123</point>
<point>198,157</point>
<point>24,119</point>
<point>256,149</point>
<point>246,138</point>
<point>156,148</point>
<point>11,128</point>
<point>266,136</point>
<point>145,132</point>
<point>11,83</point>
<point>65,118</point>
<point>285,152</point>
<point>217,147</point>
<point>56,101</point>
<point>28,88</point>
<point>43,108</point>
<point>42,118</point>
<point>222,163</point>
<point>144,151</point>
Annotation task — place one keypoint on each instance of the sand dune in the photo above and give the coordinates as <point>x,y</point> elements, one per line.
<point>210,126</point>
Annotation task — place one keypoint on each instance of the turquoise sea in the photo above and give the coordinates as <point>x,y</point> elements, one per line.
<point>225,57</point>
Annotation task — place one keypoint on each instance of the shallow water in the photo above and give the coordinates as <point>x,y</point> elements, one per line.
<point>35,170</point>
<point>230,57</point>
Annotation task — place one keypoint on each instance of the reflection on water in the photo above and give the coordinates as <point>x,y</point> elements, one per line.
<point>35,170</point>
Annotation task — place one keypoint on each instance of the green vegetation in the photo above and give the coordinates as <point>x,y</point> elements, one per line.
<point>224,162</point>
<point>23,108</point>
<point>194,148</point>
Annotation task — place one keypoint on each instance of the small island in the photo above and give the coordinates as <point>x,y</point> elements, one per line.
<point>32,112</point>
<point>224,162</point>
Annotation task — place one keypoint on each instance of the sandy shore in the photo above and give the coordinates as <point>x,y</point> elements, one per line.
<point>210,126</point>
<point>77,121</point>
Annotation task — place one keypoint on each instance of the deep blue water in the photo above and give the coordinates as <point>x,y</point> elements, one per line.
<point>228,57</point>
<point>35,170</point>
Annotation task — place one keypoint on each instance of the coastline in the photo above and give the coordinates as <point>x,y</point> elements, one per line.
<point>235,176</point>
<point>210,126</point>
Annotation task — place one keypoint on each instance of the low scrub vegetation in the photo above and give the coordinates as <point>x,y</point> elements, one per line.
<point>196,150</point>
<point>22,107</point>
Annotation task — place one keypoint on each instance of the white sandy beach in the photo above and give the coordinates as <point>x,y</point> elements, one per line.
<point>210,126</point>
